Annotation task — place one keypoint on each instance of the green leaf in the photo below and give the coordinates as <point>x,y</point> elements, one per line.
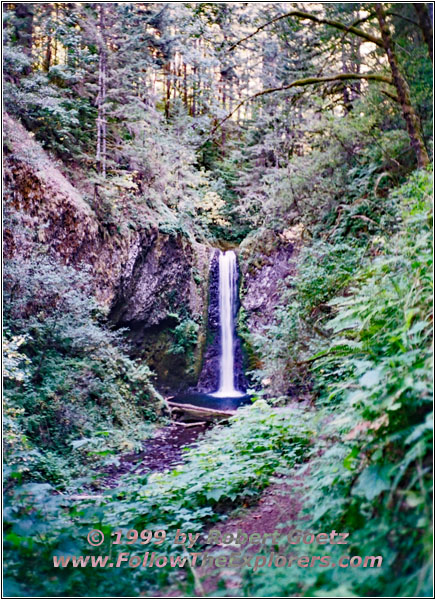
<point>414,499</point>
<point>79,443</point>
<point>370,378</point>
<point>350,460</point>
<point>215,494</point>
<point>372,482</point>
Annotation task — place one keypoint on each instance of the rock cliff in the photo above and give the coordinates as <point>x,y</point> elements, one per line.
<point>155,284</point>
<point>263,279</point>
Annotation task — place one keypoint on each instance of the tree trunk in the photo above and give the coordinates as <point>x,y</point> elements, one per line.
<point>356,59</point>
<point>403,92</point>
<point>167,89</point>
<point>185,86</point>
<point>425,23</point>
<point>345,91</point>
<point>24,28</point>
<point>194,91</point>
<point>101,98</point>
<point>55,39</point>
<point>48,50</point>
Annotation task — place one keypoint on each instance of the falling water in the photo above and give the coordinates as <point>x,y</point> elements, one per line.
<point>228,275</point>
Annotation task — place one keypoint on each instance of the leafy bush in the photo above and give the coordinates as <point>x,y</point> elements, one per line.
<point>42,107</point>
<point>371,470</point>
<point>231,464</point>
<point>185,337</point>
<point>67,374</point>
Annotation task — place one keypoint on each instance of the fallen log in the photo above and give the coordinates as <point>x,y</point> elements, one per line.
<point>187,425</point>
<point>199,413</point>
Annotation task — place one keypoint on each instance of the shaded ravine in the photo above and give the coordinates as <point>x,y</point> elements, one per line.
<point>165,449</point>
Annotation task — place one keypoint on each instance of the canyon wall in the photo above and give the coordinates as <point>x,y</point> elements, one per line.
<point>268,263</point>
<point>153,283</point>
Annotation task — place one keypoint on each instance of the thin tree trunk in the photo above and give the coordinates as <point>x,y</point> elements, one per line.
<point>185,86</point>
<point>425,24</point>
<point>345,91</point>
<point>167,90</point>
<point>24,12</point>
<point>176,77</point>
<point>55,39</point>
<point>194,91</point>
<point>403,92</point>
<point>356,86</point>
<point>101,98</point>
<point>47,62</point>
<point>200,76</point>
<point>224,102</point>
<point>48,53</point>
<point>104,136</point>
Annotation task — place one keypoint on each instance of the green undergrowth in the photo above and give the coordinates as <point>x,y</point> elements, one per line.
<point>230,466</point>
<point>371,471</point>
<point>73,397</point>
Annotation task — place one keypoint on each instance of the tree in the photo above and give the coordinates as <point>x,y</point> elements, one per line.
<point>385,42</point>
<point>425,24</point>
<point>24,26</point>
<point>101,96</point>
<point>401,85</point>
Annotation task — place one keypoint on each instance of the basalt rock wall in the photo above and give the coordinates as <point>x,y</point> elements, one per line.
<point>154,284</point>
<point>267,265</point>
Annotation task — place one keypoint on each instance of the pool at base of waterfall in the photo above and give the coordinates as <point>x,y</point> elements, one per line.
<point>227,394</point>
<point>213,402</point>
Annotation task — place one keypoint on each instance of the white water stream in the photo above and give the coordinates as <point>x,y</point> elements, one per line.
<point>228,276</point>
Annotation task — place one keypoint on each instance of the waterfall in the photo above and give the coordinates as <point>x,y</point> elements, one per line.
<point>228,277</point>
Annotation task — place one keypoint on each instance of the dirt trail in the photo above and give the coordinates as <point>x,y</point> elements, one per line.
<point>278,509</point>
<point>162,451</point>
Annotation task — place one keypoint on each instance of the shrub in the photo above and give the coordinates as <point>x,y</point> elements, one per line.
<point>231,464</point>
<point>67,374</point>
<point>371,470</point>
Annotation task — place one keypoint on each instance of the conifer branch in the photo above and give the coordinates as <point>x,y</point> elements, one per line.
<point>304,15</point>
<point>303,82</point>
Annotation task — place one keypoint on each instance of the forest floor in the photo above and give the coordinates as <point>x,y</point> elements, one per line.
<point>277,509</point>
<point>162,451</point>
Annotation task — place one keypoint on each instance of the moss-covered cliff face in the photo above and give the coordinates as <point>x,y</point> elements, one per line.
<point>268,262</point>
<point>161,297</point>
<point>153,283</point>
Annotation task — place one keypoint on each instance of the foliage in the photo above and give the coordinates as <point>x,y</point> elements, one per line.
<point>298,328</point>
<point>133,102</point>
<point>67,376</point>
<point>370,474</point>
<point>185,337</point>
<point>231,464</point>
<point>39,104</point>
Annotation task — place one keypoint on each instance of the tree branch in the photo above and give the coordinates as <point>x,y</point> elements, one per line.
<point>303,82</point>
<point>388,12</point>
<point>364,19</point>
<point>390,95</point>
<point>304,15</point>
<point>404,18</point>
